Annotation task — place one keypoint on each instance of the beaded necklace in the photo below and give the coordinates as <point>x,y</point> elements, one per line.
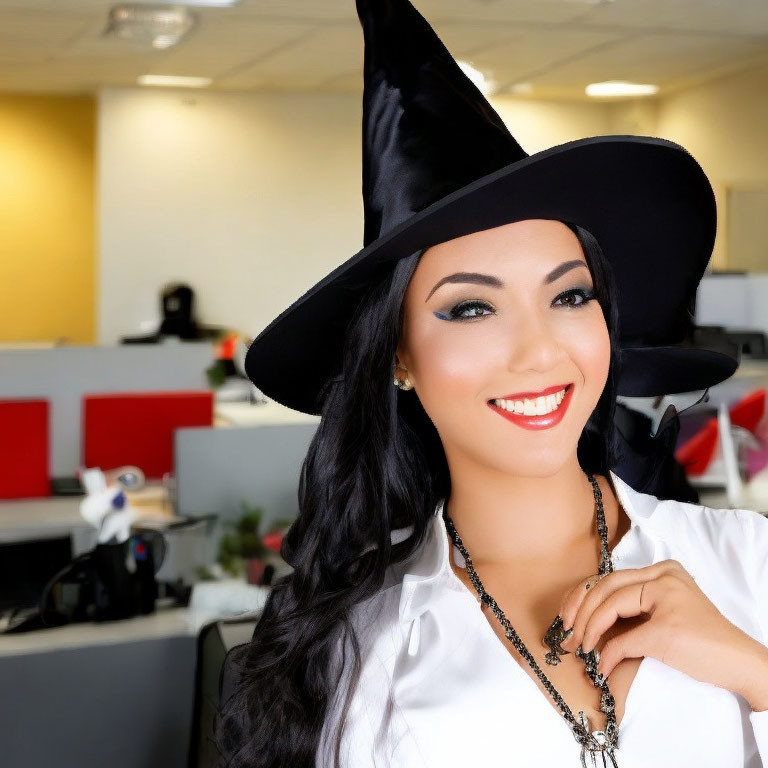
<point>602,743</point>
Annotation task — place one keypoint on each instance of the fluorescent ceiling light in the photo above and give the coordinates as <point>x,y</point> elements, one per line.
<point>197,3</point>
<point>620,88</point>
<point>484,84</point>
<point>156,25</point>
<point>174,81</point>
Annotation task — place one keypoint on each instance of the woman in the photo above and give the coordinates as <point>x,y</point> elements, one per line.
<point>433,511</point>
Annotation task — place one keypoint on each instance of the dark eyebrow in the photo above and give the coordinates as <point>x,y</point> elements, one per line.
<point>480,279</point>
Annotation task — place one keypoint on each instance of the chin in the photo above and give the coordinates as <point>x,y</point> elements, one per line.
<point>533,464</point>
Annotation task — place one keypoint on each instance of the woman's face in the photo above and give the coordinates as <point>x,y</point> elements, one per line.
<point>501,312</point>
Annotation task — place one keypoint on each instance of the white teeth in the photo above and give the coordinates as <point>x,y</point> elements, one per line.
<point>536,407</point>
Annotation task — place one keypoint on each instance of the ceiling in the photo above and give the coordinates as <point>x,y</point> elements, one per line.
<point>555,46</point>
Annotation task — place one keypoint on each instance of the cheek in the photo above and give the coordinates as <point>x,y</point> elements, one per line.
<point>590,349</point>
<point>451,363</point>
<point>447,360</point>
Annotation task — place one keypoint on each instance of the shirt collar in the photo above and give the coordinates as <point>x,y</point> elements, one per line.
<point>430,565</point>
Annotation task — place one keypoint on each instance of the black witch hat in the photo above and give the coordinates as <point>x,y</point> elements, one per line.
<point>439,163</point>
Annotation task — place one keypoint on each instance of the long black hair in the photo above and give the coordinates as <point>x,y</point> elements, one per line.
<point>375,464</point>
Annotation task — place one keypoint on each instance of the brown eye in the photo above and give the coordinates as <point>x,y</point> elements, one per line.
<point>472,307</point>
<point>575,293</point>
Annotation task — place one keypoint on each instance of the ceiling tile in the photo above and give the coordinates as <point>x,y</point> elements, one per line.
<point>724,17</point>
<point>659,58</point>
<point>560,45</point>
<point>327,51</point>
<point>529,54</point>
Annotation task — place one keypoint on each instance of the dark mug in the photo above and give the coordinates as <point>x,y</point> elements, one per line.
<point>124,579</point>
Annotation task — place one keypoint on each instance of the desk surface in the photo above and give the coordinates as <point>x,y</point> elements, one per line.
<point>22,519</point>
<point>51,516</point>
<point>244,414</point>
<point>164,622</point>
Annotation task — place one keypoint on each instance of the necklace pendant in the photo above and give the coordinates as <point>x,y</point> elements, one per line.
<point>595,743</point>
<point>552,639</point>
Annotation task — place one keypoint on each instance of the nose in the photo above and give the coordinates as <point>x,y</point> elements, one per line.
<point>533,344</point>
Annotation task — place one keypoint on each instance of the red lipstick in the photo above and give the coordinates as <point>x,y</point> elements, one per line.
<point>536,422</point>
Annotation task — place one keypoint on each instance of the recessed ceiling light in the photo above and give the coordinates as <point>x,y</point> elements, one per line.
<point>620,88</point>
<point>175,81</point>
<point>485,85</point>
<point>521,88</point>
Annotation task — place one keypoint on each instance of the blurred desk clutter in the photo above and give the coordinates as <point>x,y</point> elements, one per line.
<point>177,307</point>
<point>245,414</point>
<point>722,445</point>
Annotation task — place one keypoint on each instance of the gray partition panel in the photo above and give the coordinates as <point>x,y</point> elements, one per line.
<point>218,468</point>
<point>123,705</point>
<point>64,374</point>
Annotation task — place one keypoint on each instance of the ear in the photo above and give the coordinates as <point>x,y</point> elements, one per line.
<point>401,357</point>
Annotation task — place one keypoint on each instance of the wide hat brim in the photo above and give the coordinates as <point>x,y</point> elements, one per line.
<point>645,199</point>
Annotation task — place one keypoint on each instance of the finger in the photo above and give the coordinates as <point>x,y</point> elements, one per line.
<point>624,603</point>
<point>580,597</point>
<point>632,644</point>
<point>618,580</point>
<point>589,598</point>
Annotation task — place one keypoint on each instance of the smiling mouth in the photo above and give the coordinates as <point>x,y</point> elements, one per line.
<point>540,405</point>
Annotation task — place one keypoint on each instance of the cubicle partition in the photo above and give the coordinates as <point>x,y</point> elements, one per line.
<point>137,428</point>
<point>62,375</point>
<point>220,468</point>
<point>24,449</point>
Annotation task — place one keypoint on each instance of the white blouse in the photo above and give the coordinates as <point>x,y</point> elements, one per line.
<point>438,689</point>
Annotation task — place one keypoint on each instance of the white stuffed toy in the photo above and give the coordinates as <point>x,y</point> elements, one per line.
<point>106,507</point>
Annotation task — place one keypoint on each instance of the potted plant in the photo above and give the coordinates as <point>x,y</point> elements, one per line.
<point>245,550</point>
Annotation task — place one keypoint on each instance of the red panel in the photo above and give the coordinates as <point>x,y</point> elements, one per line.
<point>137,427</point>
<point>698,452</point>
<point>749,411</point>
<point>24,449</point>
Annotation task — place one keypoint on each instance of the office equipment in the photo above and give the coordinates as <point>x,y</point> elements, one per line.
<point>26,566</point>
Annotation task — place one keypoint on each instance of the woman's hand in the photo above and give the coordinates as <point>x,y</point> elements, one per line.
<point>675,623</point>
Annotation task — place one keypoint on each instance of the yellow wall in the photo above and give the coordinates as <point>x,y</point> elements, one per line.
<point>47,218</point>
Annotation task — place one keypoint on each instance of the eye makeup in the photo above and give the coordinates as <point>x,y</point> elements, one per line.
<point>456,308</point>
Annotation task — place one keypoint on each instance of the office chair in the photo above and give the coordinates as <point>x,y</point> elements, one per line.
<point>219,644</point>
